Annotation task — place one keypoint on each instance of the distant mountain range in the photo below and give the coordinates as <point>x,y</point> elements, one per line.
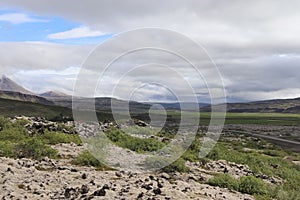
<point>12,91</point>
<point>6,84</point>
<point>53,94</point>
<point>267,106</point>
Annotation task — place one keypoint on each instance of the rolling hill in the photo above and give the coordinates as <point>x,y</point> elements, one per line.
<point>267,106</point>
<point>24,97</point>
<point>11,108</point>
<point>101,104</point>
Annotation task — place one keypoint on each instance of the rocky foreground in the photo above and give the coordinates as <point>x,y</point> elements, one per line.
<point>58,179</point>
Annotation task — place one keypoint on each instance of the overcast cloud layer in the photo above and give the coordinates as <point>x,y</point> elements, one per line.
<point>255,44</point>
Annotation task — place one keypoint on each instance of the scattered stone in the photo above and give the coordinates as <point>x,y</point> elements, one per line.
<point>157,191</point>
<point>100,192</point>
<point>71,193</point>
<point>159,184</point>
<point>118,174</point>
<point>141,195</point>
<point>165,176</point>
<point>147,186</point>
<point>10,170</point>
<point>84,176</point>
<point>105,187</point>
<point>124,190</point>
<point>84,189</point>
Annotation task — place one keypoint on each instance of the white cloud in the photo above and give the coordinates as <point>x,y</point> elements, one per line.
<point>47,79</point>
<point>18,18</point>
<point>243,38</point>
<point>16,56</point>
<point>79,32</point>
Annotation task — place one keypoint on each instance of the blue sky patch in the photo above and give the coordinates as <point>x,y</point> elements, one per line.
<point>38,28</point>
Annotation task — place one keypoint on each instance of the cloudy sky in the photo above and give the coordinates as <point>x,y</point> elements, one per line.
<point>254,44</point>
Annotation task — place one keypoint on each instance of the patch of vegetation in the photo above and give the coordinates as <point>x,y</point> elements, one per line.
<point>136,144</point>
<point>7,149</point>
<point>279,119</point>
<point>177,166</point>
<point>53,138</point>
<point>4,122</point>
<point>224,181</point>
<point>13,134</point>
<point>192,153</point>
<point>87,159</point>
<point>15,141</point>
<point>162,163</point>
<point>53,113</point>
<point>246,184</point>
<point>35,149</point>
<point>261,160</point>
<point>252,185</point>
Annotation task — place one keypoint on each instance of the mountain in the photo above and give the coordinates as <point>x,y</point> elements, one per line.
<point>24,97</point>
<point>11,90</point>
<point>6,84</point>
<point>101,104</point>
<point>266,106</point>
<point>53,94</point>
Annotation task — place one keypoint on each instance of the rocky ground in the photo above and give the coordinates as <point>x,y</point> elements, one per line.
<point>58,179</point>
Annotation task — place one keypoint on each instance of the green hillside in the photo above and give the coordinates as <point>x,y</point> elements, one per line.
<point>11,108</point>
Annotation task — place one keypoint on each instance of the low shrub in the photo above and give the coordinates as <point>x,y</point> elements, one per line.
<point>4,123</point>
<point>57,138</point>
<point>7,149</point>
<point>87,159</point>
<point>133,143</point>
<point>224,181</point>
<point>246,184</point>
<point>13,134</point>
<point>252,185</point>
<point>35,149</point>
<point>159,163</point>
<point>177,166</point>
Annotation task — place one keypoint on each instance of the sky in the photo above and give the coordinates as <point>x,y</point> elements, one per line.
<point>255,46</point>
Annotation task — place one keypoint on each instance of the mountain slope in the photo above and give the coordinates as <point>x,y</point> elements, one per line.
<point>12,91</point>
<point>101,104</point>
<point>6,84</point>
<point>11,108</point>
<point>53,94</point>
<point>24,97</point>
<point>267,106</point>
